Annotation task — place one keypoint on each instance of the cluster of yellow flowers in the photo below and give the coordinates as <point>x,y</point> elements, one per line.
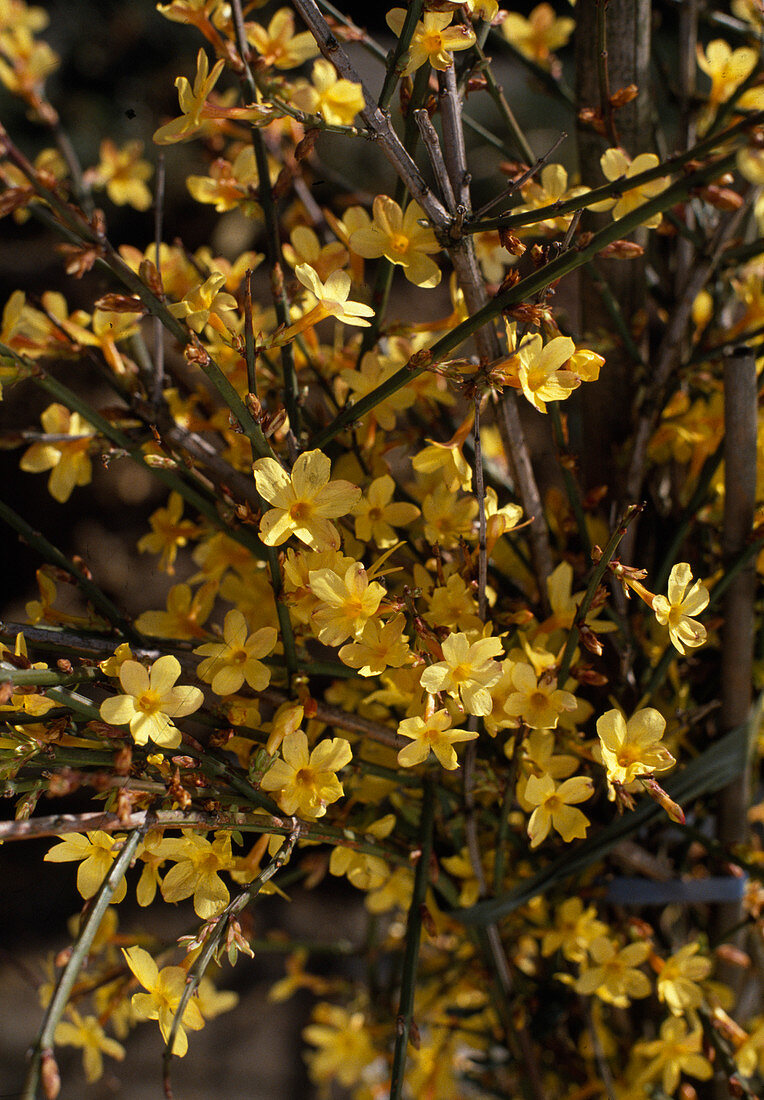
<point>377,643</point>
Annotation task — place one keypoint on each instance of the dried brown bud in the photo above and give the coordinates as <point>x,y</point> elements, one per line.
<point>305,147</point>
<point>64,665</point>
<point>254,405</point>
<point>723,198</point>
<point>121,303</point>
<point>624,95</point>
<point>590,640</point>
<point>49,1075</point>
<point>621,250</point>
<point>150,276</point>
<point>590,116</point>
<point>79,258</point>
<point>512,243</point>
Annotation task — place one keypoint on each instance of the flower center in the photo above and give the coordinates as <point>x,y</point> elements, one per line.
<point>375,513</point>
<point>300,510</point>
<point>149,702</point>
<point>399,244</point>
<point>305,777</point>
<point>432,41</point>
<point>239,657</point>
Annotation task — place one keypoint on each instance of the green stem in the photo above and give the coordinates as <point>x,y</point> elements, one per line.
<point>398,56</point>
<point>43,1047</point>
<point>597,574</point>
<point>571,485</point>
<point>413,938</point>
<point>497,95</point>
<point>52,554</point>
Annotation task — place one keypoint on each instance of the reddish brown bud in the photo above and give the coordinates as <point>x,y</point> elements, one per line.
<point>305,147</point>
<point>622,250</point>
<point>624,95</point>
<point>121,303</point>
<point>512,243</point>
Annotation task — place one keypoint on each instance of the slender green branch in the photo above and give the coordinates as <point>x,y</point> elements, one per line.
<point>43,1047</point>
<point>398,56</point>
<point>413,937</point>
<point>591,589</point>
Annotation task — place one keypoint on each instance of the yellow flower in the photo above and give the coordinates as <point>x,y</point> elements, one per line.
<point>549,187</point>
<point>375,515</point>
<point>278,45</point>
<point>186,611</point>
<point>205,304</point>
<point>68,462</point>
<point>630,749</point>
<point>727,69</point>
<point>555,807</point>
<point>168,533</point>
<point>379,646</point>
<point>236,659</point>
<point>400,238</point>
<point>541,369</point>
<point>344,1045</point>
<point>304,501</point>
<point>165,988</point>
<point>197,871</point>
<point>431,733</point>
<point>96,851</point>
<point>336,100</point>
<point>613,975</point>
<point>433,39</point>
<point>575,928</point>
<point>447,518</point>
<point>615,164</point>
<point>306,782</point>
<point>229,185</point>
<point>151,701</point>
<point>345,603</point>
<point>537,700</point>
<point>331,301</point>
<point>88,1034</point>
<point>678,977</point>
<point>538,35</point>
<point>676,610</point>
<point>677,1051</point>
<point>467,671</point>
<point>123,173</point>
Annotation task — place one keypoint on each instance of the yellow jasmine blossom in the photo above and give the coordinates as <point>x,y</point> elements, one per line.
<point>168,533</point>
<point>336,100</point>
<point>453,605</point>
<point>277,43</point>
<point>555,807</point>
<point>161,1001</point>
<point>205,304</point>
<point>185,614</point>
<point>537,699</point>
<point>379,646</point>
<point>96,851</point>
<point>615,165</point>
<point>305,247</point>
<point>677,1051</point>
<point>539,35</point>
<point>344,1044</point>
<point>150,701</point>
<point>612,974</point>
<point>400,238</point>
<point>331,301</point>
<point>727,69</point>
<point>541,369</point>
<point>304,501</point>
<point>229,185</point>
<point>433,38</point>
<point>123,173</point>
<point>376,514</point>
<point>345,603</point>
<point>467,671</point>
<point>197,871</point>
<point>304,782</point>
<point>676,610</point>
<point>631,749</point>
<point>749,1056</point>
<point>678,977</point>
<point>431,733</point>
<point>88,1034</point>
<point>575,928</point>
<point>448,518</point>
<point>550,186</point>
<point>195,110</point>
<point>228,664</point>
<point>69,462</point>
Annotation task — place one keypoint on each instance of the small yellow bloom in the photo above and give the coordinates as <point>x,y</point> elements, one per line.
<point>344,1045</point>
<point>537,699</point>
<point>205,304</point>
<point>96,852</point>
<point>615,164</point>
<point>727,69</point>
<point>198,863</point>
<point>304,501</point>
<point>539,35</point>
<point>151,701</point>
<point>345,604</point>
<point>676,610</point>
<point>161,1001</point>
<point>433,40</point>
<point>555,807</point>
<point>676,1051</point>
<point>677,981</point>
<point>69,462</point>
<point>630,749</point>
<point>123,173</point>
<point>379,646</point>
<point>467,671</point>
<point>229,664</point>
<point>277,43</point>
<point>398,236</point>
<point>185,614</point>
<point>431,733</point>
<point>376,514</point>
<point>336,100</point>
<point>613,975</point>
<point>88,1034</point>
<point>304,782</point>
<point>168,533</point>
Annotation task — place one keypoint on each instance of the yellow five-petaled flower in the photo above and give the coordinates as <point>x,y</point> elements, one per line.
<point>151,701</point>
